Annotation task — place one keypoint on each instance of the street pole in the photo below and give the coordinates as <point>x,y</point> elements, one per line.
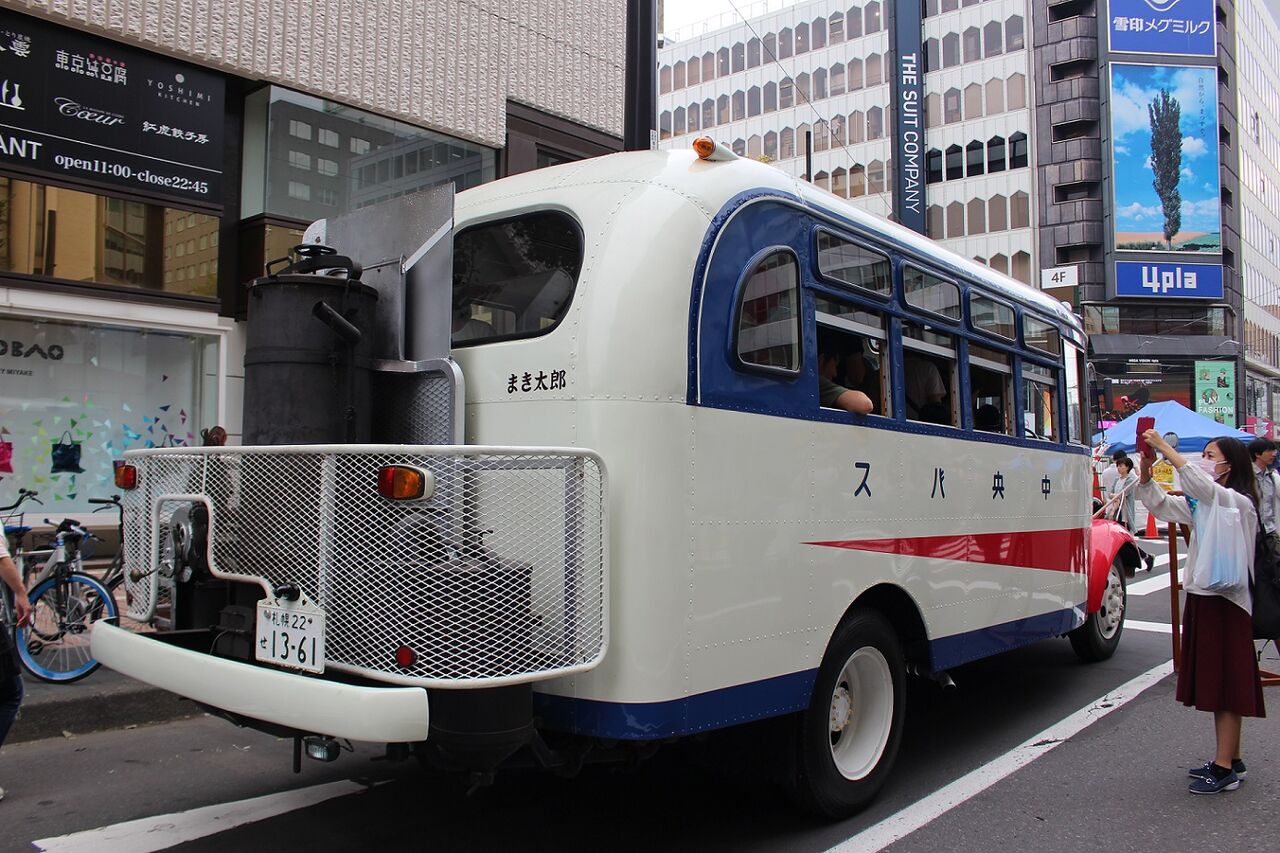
<point>640,97</point>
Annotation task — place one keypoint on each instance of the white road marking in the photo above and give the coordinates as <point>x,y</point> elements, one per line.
<point>1159,578</point>
<point>164,831</point>
<point>924,811</point>
<point>1153,627</point>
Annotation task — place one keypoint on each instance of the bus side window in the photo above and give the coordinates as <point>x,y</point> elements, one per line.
<point>857,338</point>
<point>1039,383</point>
<point>929,374</point>
<point>769,315</point>
<point>991,383</point>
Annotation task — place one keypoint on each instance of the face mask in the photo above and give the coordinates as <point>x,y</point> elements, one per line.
<point>1209,466</point>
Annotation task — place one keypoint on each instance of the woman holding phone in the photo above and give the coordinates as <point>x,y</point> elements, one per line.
<point>1219,671</point>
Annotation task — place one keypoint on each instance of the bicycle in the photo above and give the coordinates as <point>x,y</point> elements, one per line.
<point>65,602</point>
<point>17,533</point>
<point>114,575</point>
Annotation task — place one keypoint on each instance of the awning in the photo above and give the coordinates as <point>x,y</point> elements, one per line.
<point>1155,346</point>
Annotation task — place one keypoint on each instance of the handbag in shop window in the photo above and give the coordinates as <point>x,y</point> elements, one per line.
<point>66,455</point>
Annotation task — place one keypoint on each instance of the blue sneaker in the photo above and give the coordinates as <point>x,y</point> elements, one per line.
<point>1214,784</point>
<point>1203,771</point>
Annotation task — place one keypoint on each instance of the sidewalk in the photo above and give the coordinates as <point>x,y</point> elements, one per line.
<point>104,700</point>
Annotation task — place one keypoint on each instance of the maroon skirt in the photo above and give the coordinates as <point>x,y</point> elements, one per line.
<point>1219,669</point>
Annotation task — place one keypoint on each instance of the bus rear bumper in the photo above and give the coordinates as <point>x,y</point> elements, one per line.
<point>378,714</point>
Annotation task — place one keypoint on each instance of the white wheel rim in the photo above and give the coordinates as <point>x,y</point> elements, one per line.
<point>1111,613</point>
<point>861,713</point>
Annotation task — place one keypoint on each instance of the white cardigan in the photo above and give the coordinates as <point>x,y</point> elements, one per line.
<point>1196,484</point>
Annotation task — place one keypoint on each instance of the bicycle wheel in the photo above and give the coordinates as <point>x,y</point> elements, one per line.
<point>55,647</point>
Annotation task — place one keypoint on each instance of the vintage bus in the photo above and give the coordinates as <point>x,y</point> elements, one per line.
<point>615,510</point>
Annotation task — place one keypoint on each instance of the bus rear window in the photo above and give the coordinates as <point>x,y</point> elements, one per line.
<point>514,278</point>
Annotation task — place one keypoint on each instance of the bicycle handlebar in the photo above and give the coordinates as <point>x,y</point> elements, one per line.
<point>23,495</point>
<point>114,500</point>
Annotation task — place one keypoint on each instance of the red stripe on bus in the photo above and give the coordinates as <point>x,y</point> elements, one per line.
<point>1054,550</point>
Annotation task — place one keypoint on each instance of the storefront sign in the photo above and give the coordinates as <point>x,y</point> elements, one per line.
<point>1060,277</point>
<point>1195,281</point>
<point>1171,27</point>
<point>1261,427</point>
<point>1164,122</point>
<point>908,125</point>
<point>1215,391</point>
<point>89,110</point>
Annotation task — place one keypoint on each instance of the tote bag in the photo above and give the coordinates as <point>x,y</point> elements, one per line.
<point>66,456</point>
<point>1221,562</point>
<point>6,457</point>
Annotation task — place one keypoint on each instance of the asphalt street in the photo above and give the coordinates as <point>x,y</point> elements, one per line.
<point>1117,783</point>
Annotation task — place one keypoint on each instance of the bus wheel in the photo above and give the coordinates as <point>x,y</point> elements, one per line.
<point>1098,637</point>
<point>849,735</point>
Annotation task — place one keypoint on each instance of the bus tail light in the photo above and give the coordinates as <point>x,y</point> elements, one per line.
<point>404,483</point>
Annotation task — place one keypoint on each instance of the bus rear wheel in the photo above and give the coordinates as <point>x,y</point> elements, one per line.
<point>848,738</point>
<point>1097,639</point>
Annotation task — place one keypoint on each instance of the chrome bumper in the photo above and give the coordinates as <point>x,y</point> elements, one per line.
<point>378,714</point>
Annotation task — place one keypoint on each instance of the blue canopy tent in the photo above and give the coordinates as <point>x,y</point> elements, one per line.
<point>1194,431</point>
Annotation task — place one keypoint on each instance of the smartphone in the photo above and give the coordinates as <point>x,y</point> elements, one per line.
<point>1144,449</point>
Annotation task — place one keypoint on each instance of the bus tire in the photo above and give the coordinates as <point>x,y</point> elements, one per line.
<point>848,737</point>
<point>1097,639</point>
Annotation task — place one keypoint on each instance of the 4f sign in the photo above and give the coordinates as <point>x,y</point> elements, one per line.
<point>1060,277</point>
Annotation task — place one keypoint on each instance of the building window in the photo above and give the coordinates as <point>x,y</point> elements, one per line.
<point>300,129</point>
<point>933,221</point>
<point>997,220</point>
<point>695,112</point>
<point>677,76</point>
<point>299,160</point>
<point>933,166</point>
<point>1017,150</point>
<point>875,123</point>
<point>300,191</point>
<point>1019,210</point>
<point>770,97</point>
<point>359,146</point>
<point>972,44</point>
<point>1013,39</point>
<point>995,154</point>
<point>855,75</point>
<point>871,14</point>
<point>993,39</point>
<point>995,96</point>
<point>875,74</point>
<point>786,93</point>
<point>739,57</point>
<point>664,79</point>
<point>327,137</point>
<point>975,159</point>
<point>950,50</point>
<point>955,163</point>
<point>739,105</point>
<point>753,53</point>
<point>973,101</point>
<point>955,219</point>
<point>1017,92</point>
<point>951,106</point>
<point>327,197</point>
<point>977,212</point>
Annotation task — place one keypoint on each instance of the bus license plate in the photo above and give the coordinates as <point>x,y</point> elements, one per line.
<point>290,633</point>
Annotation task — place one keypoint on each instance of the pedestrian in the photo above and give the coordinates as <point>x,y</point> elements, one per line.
<point>1263,451</point>
<point>1123,506</point>
<point>214,436</point>
<point>1107,479</point>
<point>1219,667</point>
<point>10,677</point>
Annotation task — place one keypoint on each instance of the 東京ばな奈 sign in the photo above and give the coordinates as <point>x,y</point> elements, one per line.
<point>1169,27</point>
<point>88,110</point>
<point>1182,281</point>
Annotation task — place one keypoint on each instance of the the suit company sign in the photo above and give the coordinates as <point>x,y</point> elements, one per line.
<point>89,110</point>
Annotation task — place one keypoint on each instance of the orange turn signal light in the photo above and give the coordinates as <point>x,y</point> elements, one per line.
<point>704,146</point>
<point>126,476</point>
<point>404,482</point>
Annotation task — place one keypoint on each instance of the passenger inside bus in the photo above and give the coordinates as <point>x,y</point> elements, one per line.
<point>832,352</point>
<point>861,372</point>
<point>467,327</point>
<point>989,419</point>
<point>926,391</point>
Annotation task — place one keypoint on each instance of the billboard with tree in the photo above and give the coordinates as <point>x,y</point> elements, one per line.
<point>1164,131</point>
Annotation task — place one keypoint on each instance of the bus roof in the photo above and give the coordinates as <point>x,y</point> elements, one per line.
<point>713,184</point>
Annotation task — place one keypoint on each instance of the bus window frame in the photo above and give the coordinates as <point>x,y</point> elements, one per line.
<point>839,283</point>
<point>739,290</point>
<point>1022,330</point>
<point>884,335</point>
<point>975,293</point>
<point>908,307</point>
<point>957,356</point>
<point>568,305</point>
<point>1054,381</point>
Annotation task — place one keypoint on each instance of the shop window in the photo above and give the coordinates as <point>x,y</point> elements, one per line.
<point>770,97</point>
<point>769,316</point>
<point>997,217</point>
<point>973,101</point>
<point>975,159</point>
<point>950,50</point>
<point>875,72</point>
<point>972,44</point>
<point>995,96</point>
<point>955,162</point>
<point>1013,38</point>
<point>753,53</point>
<point>858,341</point>
<point>993,39</point>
